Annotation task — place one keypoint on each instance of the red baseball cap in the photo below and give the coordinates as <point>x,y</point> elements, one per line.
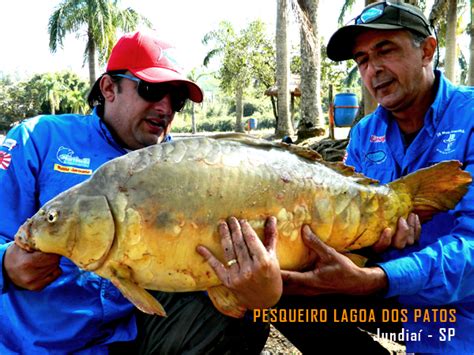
<point>151,60</point>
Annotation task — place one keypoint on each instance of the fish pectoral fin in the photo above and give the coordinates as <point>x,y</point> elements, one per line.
<point>140,297</point>
<point>357,259</point>
<point>226,302</point>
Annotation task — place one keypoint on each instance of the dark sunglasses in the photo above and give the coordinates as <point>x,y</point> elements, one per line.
<point>154,92</point>
<point>377,10</point>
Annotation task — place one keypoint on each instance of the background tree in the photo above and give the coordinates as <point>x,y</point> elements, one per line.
<point>284,125</point>
<point>246,60</point>
<point>450,57</point>
<point>312,119</point>
<point>99,19</point>
<point>194,76</point>
<point>47,93</point>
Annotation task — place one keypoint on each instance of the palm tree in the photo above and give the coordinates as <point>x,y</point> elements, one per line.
<point>369,103</point>
<point>193,75</point>
<point>284,124</point>
<point>311,123</point>
<point>99,19</point>
<point>246,59</point>
<point>451,22</point>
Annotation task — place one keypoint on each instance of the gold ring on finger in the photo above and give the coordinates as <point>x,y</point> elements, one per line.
<point>232,262</point>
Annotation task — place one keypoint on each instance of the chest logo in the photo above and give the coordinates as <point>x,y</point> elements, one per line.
<point>377,157</point>
<point>66,156</point>
<point>447,143</point>
<point>5,160</point>
<point>377,139</point>
<point>9,143</point>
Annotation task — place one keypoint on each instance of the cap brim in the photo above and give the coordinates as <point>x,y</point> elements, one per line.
<point>163,75</point>
<point>341,43</point>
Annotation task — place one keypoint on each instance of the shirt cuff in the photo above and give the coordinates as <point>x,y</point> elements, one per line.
<point>3,282</point>
<point>402,275</point>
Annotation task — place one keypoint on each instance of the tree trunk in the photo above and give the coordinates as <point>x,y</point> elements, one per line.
<point>285,126</point>
<point>471,47</point>
<point>312,120</point>
<point>450,62</point>
<point>193,119</point>
<point>370,104</point>
<point>92,60</point>
<point>239,109</point>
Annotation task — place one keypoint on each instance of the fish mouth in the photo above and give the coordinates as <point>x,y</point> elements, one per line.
<point>23,237</point>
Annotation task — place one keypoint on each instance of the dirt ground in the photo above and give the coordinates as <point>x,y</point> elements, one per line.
<point>278,344</point>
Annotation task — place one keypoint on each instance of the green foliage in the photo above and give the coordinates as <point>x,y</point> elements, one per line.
<point>247,58</point>
<point>224,124</point>
<point>47,93</point>
<point>98,20</point>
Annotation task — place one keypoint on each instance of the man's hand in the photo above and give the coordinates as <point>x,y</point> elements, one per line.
<point>408,232</point>
<point>252,271</point>
<point>31,270</point>
<point>332,273</point>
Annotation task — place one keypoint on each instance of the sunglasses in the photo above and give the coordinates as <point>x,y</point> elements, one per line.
<point>154,92</point>
<point>377,10</point>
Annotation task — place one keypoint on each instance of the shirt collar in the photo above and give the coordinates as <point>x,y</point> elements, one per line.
<point>435,112</point>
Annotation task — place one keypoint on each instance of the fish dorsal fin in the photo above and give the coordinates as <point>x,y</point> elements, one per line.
<point>263,143</point>
<point>301,151</point>
<point>349,171</point>
<point>245,139</point>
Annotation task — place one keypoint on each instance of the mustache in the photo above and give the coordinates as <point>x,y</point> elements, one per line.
<point>380,81</point>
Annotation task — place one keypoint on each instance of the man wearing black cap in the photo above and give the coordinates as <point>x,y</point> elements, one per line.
<point>421,119</point>
<point>47,304</point>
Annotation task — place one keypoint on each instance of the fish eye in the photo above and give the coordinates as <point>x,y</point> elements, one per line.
<point>52,216</point>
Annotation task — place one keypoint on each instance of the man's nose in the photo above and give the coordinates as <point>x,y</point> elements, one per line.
<point>163,106</point>
<point>375,64</point>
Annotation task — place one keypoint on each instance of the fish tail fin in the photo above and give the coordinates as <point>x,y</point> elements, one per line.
<point>434,189</point>
<point>226,302</point>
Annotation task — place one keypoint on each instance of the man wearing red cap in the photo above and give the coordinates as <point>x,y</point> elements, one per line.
<point>47,304</point>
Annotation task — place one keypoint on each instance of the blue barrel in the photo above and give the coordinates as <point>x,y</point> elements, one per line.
<point>346,106</point>
<point>252,123</point>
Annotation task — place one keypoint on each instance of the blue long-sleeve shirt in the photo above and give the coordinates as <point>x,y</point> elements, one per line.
<point>79,312</point>
<point>439,270</point>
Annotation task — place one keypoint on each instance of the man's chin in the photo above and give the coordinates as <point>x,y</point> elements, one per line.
<point>391,103</point>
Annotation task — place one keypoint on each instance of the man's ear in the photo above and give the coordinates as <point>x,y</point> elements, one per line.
<point>429,48</point>
<point>107,87</point>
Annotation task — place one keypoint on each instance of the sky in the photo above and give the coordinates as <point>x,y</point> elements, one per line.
<point>24,39</point>
<point>24,30</point>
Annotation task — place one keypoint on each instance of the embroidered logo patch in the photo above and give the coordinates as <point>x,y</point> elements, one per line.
<point>66,156</point>
<point>72,170</point>
<point>5,160</point>
<point>377,139</point>
<point>448,140</point>
<point>9,143</point>
<point>377,157</point>
<point>345,157</point>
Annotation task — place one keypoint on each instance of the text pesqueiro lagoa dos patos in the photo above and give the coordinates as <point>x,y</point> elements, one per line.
<point>138,220</point>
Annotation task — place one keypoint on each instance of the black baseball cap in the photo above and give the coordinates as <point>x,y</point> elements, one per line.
<point>384,15</point>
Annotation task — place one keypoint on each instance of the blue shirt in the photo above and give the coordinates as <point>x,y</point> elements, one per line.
<point>79,312</point>
<point>439,270</point>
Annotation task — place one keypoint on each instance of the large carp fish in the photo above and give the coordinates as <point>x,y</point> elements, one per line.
<point>138,220</point>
